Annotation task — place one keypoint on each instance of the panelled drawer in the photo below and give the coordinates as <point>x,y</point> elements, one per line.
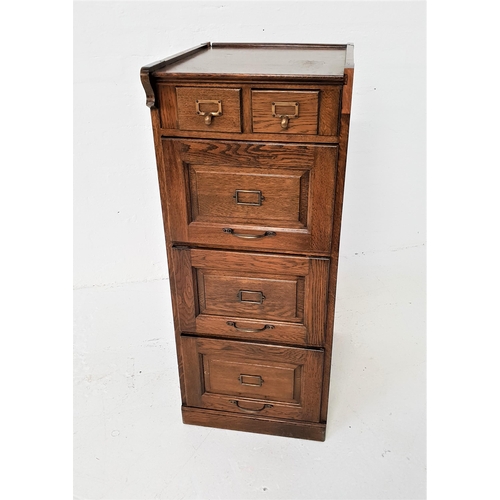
<point>251,195</point>
<point>290,112</point>
<point>209,109</point>
<point>245,377</point>
<point>264,297</point>
<point>299,111</point>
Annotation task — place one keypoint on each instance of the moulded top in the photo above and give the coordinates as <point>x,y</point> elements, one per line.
<point>257,60</point>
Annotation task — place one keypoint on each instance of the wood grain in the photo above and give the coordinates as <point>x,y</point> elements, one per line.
<point>223,194</point>
<point>246,154</point>
<point>312,210</point>
<point>298,138</point>
<point>283,333</point>
<point>167,99</point>
<point>279,296</point>
<point>315,305</point>
<point>329,106</point>
<point>294,395</point>
<point>305,123</point>
<point>251,262</point>
<point>293,293</point>
<point>228,121</point>
<point>185,286</point>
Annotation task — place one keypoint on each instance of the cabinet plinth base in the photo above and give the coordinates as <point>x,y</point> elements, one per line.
<point>274,426</point>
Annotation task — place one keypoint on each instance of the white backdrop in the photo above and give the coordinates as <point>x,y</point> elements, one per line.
<point>118,233</point>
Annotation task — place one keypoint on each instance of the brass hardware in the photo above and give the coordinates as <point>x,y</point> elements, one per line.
<point>209,114</point>
<point>237,403</point>
<point>253,204</point>
<point>240,297</point>
<point>248,236</point>
<point>259,383</point>
<point>250,330</point>
<point>285,118</point>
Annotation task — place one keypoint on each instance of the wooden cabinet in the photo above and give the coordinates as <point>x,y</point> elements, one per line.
<point>251,149</point>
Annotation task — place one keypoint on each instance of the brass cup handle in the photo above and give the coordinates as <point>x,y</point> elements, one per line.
<point>248,236</point>
<point>285,117</point>
<point>237,403</point>
<point>209,114</point>
<point>249,330</point>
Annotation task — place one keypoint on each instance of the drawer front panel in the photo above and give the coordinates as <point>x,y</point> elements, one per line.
<point>244,377</point>
<point>221,194</point>
<point>209,109</point>
<point>288,112</point>
<point>251,379</point>
<point>251,195</point>
<point>244,294</point>
<point>262,297</point>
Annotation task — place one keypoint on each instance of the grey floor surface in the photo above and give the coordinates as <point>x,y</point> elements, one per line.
<point>129,442</point>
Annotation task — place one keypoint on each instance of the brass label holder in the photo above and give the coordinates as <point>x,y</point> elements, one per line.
<point>257,203</point>
<point>285,118</point>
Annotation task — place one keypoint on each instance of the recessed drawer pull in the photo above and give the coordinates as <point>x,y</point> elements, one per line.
<point>237,403</point>
<point>250,330</point>
<point>209,114</point>
<point>248,236</point>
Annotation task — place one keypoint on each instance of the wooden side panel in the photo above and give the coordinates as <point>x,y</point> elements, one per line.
<point>163,188</point>
<point>193,376</point>
<point>185,284</point>
<point>323,198</point>
<point>168,106</point>
<point>315,305</point>
<point>337,220</point>
<point>329,110</point>
<point>174,196</point>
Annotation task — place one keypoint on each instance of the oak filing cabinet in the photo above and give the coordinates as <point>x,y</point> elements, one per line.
<point>251,145</point>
